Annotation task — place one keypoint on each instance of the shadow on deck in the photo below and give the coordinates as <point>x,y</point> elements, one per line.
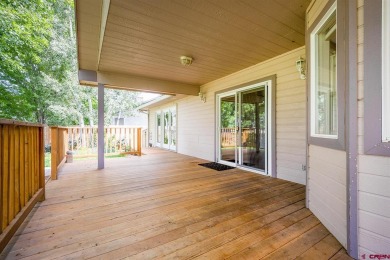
<point>164,205</point>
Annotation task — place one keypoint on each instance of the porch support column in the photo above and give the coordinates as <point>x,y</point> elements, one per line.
<point>352,130</point>
<point>100,126</point>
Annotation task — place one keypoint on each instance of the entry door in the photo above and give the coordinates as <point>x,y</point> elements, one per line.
<point>166,128</point>
<point>243,127</point>
<point>172,130</point>
<point>159,129</point>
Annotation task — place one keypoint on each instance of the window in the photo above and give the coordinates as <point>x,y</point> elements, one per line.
<point>376,77</point>
<point>324,96</point>
<point>385,70</point>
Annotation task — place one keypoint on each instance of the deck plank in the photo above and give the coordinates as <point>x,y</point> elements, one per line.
<point>324,249</point>
<point>165,205</point>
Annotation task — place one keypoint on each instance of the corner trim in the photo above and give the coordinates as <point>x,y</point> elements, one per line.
<point>352,129</point>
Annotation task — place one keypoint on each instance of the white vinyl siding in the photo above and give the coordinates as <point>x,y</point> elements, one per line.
<point>327,173</point>
<point>196,121</point>
<point>373,175</point>
<point>151,128</point>
<point>374,201</point>
<point>327,189</point>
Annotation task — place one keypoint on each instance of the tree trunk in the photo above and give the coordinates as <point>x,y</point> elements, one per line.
<point>90,111</point>
<point>119,116</point>
<point>40,116</point>
<point>81,123</point>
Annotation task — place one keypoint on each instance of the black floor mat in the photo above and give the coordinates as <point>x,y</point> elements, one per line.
<point>216,166</point>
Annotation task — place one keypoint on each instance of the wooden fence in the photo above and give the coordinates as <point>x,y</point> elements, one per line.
<point>82,142</point>
<point>117,140</point>
<point>47,132</point>
<point>22,174</point>
<point>59,146</point>
<point>229,138</point>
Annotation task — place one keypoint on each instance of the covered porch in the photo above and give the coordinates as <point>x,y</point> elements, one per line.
<point>164,205</point>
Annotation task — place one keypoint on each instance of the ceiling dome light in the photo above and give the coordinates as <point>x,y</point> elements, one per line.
<point>186,60</point>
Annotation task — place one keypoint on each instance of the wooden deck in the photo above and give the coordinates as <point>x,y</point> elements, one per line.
<point>164,205</point>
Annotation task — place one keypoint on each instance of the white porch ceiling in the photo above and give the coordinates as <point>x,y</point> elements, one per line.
<point>147,37</point>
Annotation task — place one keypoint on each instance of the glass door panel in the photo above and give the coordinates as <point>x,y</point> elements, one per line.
<point>243,127</point>
<point>253,125</point>
<point>166,121</point>
<point>159,129</point>
<point>228,138</point>
<point>173,129</point>
<point>166,128</point>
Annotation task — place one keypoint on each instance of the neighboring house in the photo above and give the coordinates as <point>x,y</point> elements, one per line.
<point>309,103</point>
<point>138,120</point>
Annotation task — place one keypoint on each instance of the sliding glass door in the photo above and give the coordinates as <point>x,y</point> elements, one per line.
<point>243,127</point>
<point>253,128</point>
<point>228,129</point>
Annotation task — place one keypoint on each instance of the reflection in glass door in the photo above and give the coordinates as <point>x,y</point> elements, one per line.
<point>166,121</point>
<point>253,125</point>
<point>227,111</point>
<point>159,128</point>
<point>243,127</point>
<point>172,139</point>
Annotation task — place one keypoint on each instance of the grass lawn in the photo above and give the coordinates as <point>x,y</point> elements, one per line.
<point>48,158</point>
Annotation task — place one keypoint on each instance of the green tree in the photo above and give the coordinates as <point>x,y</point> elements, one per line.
<point>119,103</point>
<point>25,30</point>
<point>38,68</point>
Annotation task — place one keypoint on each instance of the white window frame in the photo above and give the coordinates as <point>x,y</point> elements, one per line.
<point>385,71</point>
<point>162,112</point>
<point>268,88</point>
<point>314,76</point>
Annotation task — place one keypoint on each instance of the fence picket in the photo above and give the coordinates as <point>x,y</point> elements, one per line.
<point>19,148</point>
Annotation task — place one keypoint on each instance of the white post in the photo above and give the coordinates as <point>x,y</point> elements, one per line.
<point>101,126</point>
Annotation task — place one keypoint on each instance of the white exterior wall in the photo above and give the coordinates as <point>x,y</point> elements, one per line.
<point>196,120</point>
<point>327,172</point>
<point>326,191</point>
<point>373,177</point>
<point>152,128</point>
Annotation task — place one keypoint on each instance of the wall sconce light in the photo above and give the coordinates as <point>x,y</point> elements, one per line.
<point>202,97</point>
<point>300,64</point>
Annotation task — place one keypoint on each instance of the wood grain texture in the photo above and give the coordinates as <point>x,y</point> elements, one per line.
<point>147,38</point>
<point>21,169</point>
<point>164,205</point>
